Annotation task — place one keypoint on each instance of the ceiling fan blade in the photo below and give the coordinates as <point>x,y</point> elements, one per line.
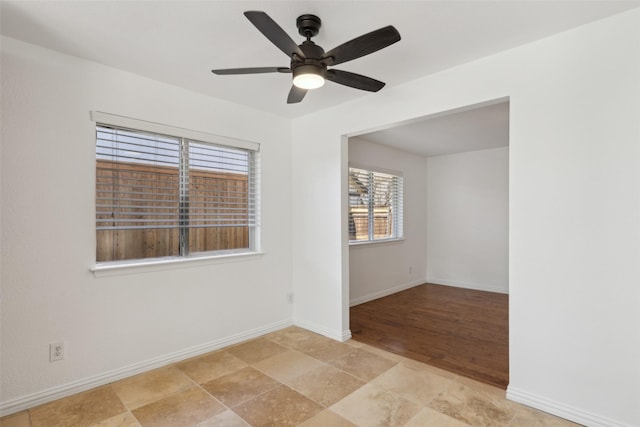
<point>274,33</point>
<point>354,80</point>
<point>258,70</point>
<point>363,45</point>
<point>295,95</point>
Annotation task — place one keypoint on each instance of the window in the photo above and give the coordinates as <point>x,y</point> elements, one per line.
<point>161,195</point>
<point>375,206</point>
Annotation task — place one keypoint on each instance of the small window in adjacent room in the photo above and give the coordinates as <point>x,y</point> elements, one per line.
<point>375,206</point>
<point>163,195</point>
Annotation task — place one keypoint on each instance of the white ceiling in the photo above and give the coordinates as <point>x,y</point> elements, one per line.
<point>469,129</point>
<point>179,42</point>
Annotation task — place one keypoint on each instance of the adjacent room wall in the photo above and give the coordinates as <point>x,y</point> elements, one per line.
<point>380,269</point>
<point>113,326</point>
<point>468,220</point>
<point>574,216</point>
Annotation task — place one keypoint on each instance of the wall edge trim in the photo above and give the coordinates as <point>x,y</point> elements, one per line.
<point>467,285</point>
<point>385,292</point>
<point>322,330</point>
<point>29,401</point>
<point>561,409</point>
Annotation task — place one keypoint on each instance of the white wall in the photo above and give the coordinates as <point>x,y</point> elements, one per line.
<point>380,269</point>
<point>574,216</point>
<point>468,220</point>
<point>115,325</point>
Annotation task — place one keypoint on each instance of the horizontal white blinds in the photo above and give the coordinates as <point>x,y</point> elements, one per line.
<point>375,205</point>
<point>222,186</point>
<point>146,180</point>
<point>137,180</point>
<point>123,122</point>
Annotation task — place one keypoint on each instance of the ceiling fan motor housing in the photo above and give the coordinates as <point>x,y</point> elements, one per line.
<point>311,64</point>
<point>308,25</point>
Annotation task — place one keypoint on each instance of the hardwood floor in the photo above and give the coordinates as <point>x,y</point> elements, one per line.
<point>461,330</point>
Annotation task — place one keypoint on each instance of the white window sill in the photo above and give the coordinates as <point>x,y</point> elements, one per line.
<point>365,243</point>
<point>108,269</point>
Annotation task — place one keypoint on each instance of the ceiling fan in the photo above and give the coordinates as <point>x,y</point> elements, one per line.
<point>309,62</point>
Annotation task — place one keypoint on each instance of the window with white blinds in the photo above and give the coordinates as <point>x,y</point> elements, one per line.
<point>166,196</point>
<point>375,206</point>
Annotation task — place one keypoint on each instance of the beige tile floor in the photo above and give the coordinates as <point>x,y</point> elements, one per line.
<point>289,378</point>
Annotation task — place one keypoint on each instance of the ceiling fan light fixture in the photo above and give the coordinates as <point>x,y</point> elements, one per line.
<point>308,77</point>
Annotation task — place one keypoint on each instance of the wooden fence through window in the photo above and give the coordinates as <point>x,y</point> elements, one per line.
<point>359,222</point>
<point>161,195</point>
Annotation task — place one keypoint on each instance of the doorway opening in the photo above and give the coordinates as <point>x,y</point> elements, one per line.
<point>439,293</point>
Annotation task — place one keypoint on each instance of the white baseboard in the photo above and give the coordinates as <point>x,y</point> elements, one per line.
<point>54,393</point>
<point>319,329</point>
<point>384,292</point>
<point>467,285</point>
<point>562,410</point>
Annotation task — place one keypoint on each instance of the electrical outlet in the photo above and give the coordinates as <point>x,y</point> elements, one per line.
<point>56,351</point>
<point>290,298</point>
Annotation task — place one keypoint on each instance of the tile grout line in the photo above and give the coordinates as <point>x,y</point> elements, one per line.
<point>215,398</point>
<point>228,408</point>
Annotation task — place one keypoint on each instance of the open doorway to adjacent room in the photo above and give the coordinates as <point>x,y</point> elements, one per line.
<point>437,289</point>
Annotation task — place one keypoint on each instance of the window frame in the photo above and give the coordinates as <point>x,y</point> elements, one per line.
<point>101,268</point>
<point>397,205</point>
